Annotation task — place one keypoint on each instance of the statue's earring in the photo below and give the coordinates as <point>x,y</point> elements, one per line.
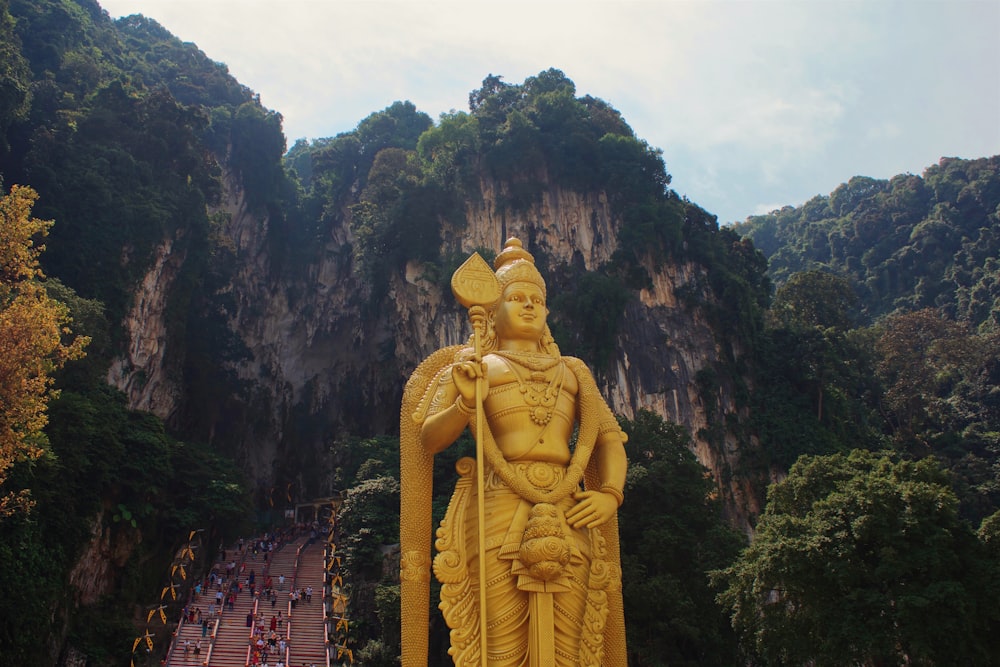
<point>490,334</point>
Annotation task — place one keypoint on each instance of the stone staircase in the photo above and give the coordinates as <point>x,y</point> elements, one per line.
<point>190,646</point>
<point>307,639</point>
<point>227,639</point>
<point>229,649</point>
<point>282,563</point>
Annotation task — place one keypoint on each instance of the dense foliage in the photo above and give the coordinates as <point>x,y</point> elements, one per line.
<point>109,124</point>
<point>883,330</point>
<point>415,177</point>
<point>882,336</point>
<point>862,559</point>
<point>908,243</point>
<point>32,328</point>
<point>98,468</point>
<point>671,614</point>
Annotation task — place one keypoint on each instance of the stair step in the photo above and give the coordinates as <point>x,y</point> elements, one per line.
<point>229,647</point>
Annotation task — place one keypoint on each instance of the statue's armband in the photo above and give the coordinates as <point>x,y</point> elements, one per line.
<point>610,429</point>
<point>439,396</point>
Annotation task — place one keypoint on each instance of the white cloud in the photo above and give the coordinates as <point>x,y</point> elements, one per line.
<point>885,130</point>
<point>752,101</point>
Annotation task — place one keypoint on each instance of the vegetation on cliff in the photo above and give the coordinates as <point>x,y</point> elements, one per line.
<point>32,329</point>
<point>97,126</point>
<point>885,326</point>
<point>862,559</point>
<point>906,243</point>
<point>881,336</point>
<point>97,468</point>
<point>414,177</point>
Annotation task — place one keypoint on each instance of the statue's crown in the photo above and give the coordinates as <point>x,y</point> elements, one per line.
<point>515,264</point>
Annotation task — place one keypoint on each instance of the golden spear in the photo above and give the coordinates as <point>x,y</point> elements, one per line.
<point>475,286</point>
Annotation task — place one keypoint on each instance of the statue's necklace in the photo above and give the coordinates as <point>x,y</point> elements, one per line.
<point>540,394</point>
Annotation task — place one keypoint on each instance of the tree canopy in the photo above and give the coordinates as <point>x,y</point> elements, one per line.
<point>35,340</point>
<point>863,559</point>
<point>667,553</point>
<point>909,242</point>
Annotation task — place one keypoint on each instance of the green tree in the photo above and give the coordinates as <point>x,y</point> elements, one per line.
<point>814,392</point>
<point>941,398</point>
<point>861,559</point>
<point>15,77</point>
<point>672,618</point>
<point>257,146</point>
<point>397,126</point>
<point>491,103</point>
<point>818,308</point>
<point>925,361</point>
<point>450,151</point>
<point>369,519</point>
<point>816,299</point>
<point>588,317</point>
<point>910,242</point>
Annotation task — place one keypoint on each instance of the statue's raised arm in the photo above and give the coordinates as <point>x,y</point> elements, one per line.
<point>547,544</point>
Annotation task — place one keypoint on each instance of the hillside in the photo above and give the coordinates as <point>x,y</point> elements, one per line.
<point>888,307</point>
<point>256,314</point>
<point>907,243</point>
<point>255,310</point>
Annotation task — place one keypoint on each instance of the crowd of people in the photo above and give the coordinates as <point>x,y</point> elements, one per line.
<point>236,574</point>
<point>269,643</point>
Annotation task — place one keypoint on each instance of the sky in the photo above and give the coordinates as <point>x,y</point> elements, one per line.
<point>756,104</point>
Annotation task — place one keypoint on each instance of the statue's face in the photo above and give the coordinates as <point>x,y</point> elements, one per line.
<point>521,312</point>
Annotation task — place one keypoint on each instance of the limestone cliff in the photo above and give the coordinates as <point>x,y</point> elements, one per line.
<point>319,363</point>
<point>105,554</point>
<point>141,371</point>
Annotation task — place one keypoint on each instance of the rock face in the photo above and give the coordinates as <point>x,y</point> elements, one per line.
<point>141,372</point>
<point>105,554</point>
<point>318,364</point>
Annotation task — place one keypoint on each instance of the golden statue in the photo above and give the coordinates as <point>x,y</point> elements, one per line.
<point>536,544</point>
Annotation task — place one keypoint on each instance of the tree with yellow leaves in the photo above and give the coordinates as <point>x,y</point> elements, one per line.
<point>35,341</point>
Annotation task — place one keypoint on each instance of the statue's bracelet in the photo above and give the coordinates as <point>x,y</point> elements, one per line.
<point>619,496</point>
<point>462,407</point>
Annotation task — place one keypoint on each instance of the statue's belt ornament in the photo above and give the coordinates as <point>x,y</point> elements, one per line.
<point>538,474</point>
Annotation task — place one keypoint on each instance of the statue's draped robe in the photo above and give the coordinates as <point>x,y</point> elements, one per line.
<point>588,622</point>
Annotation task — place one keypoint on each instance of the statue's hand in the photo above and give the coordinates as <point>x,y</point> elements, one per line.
<point>465,374</point>
<point>593,508</point>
